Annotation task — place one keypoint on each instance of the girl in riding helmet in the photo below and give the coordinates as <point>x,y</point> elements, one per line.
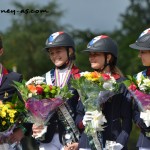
<point>103,54</point>
<point>142,44</point>
<point>61,50</point>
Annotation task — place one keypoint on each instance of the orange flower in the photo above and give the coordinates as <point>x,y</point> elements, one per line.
<point>31,88</point>
<point>95,74</point>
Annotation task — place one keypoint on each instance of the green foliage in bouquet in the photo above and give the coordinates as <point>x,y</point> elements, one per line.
<point>41,90</point>
<point>88,92</point>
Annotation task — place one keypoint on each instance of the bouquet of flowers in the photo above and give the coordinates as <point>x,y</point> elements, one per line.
<point>139,87</point>
<point>11,116</point>
<point>94,89</point>
<point>41,100</point>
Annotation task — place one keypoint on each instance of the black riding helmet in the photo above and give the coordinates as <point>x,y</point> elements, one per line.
<point>143,42</point>
<point>103,43</point>
<point>59,39</point>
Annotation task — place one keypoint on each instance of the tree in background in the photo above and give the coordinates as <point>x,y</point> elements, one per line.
<point>25,39</point>
<point>135,19</point>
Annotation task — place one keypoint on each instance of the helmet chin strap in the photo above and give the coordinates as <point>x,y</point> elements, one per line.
<point>105,65</point>
<point>64,65</point>
<point>102,69</point>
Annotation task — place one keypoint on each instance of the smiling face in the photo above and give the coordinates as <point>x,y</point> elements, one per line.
<point>145,57</point>
<point>97,60</point>
<point>58,55</point>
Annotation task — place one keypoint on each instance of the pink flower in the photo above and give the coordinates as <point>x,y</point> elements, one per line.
<point>53,99</point>
<point>132,87</point>
<point>106,76</point>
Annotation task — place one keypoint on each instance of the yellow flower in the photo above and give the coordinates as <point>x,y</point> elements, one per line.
<point>3,114</point>
<point>8,111</point>
<point>8,106</point>
<point>11,115</point>
<point>5,108</point>
<point>92,76</point>
<point>3,123</point>
<point>11,120</point>
<point>95,79</point>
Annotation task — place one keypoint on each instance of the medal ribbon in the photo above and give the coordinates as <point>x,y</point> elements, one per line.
<point>67,76</point>
<point>67,120</point>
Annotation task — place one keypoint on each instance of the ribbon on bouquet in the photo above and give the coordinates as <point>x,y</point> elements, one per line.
<point>64,113</point>
<point>95,141</point>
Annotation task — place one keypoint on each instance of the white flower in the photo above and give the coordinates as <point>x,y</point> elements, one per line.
<point>108,86</point>
<point>39,82</point>
<point>112,79</point>
<point>146,117</point>
<point>98,120</point>
<point>28,82</point>
<point>146,82</point>
<point>143,82</point>
<point>142,87</point>
<point>29,95</point>
<point>36,80</point>
<point>84,73</point>
<point>139,78</point>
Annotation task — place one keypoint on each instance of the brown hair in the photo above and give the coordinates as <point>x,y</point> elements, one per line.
<point>113,68</point>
